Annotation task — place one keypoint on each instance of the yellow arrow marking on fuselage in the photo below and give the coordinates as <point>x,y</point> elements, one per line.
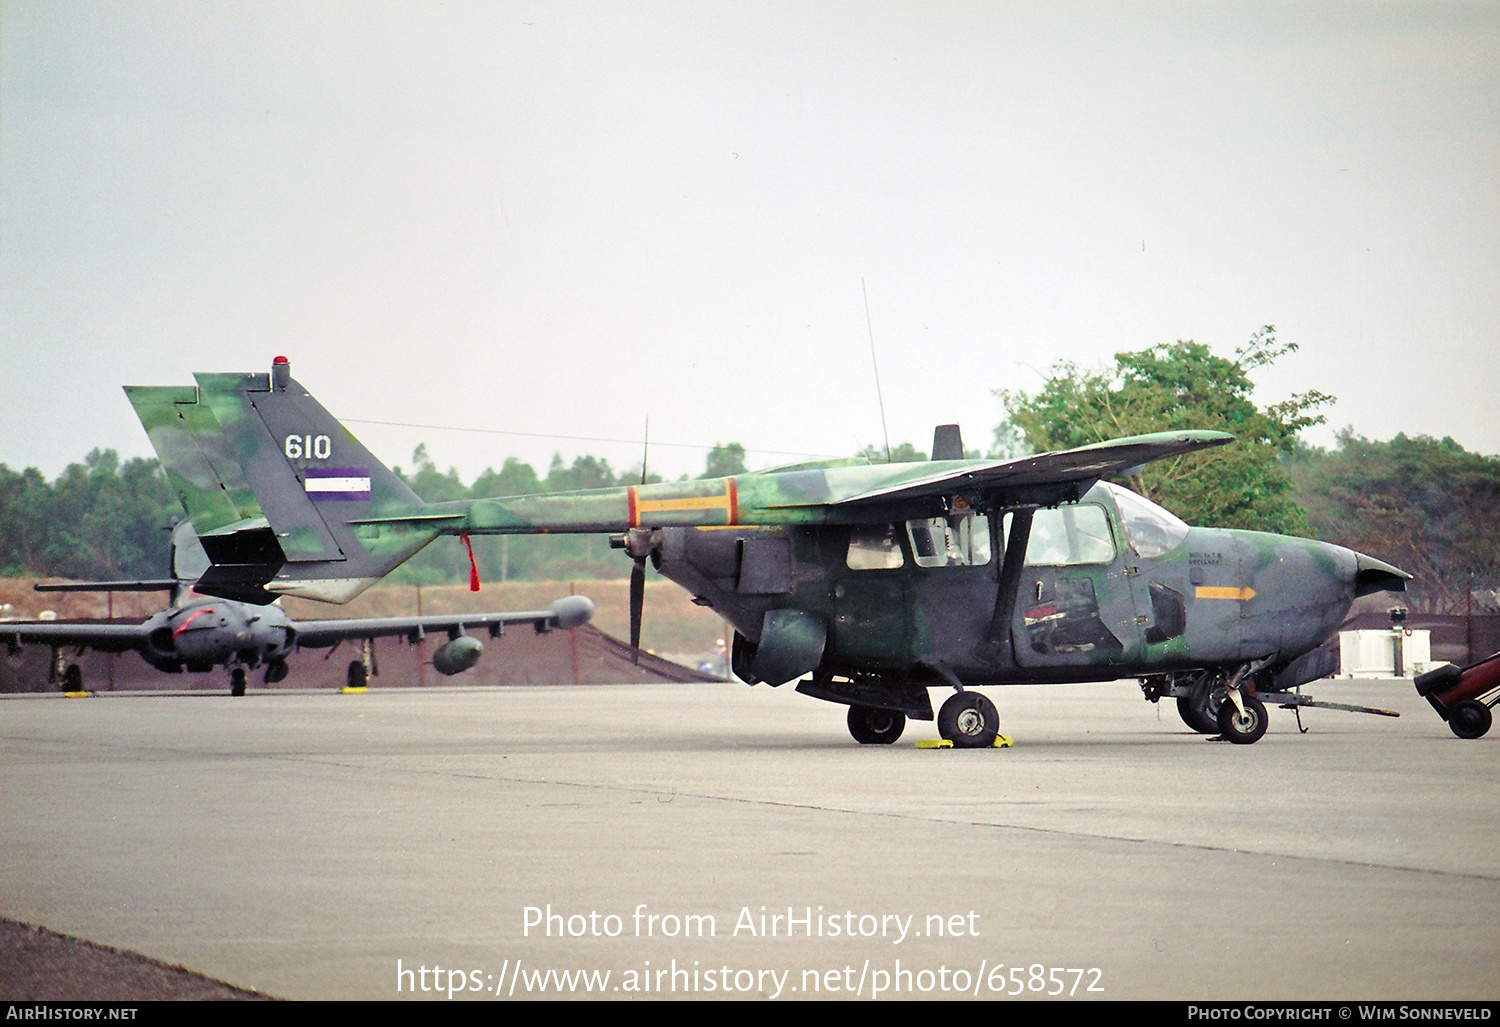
<point>1244,594</point>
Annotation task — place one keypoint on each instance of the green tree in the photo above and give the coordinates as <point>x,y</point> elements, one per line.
<point>514,478</point>
<point>103,524</point>
<point>1182,385</point>
<point>587,472</point>
<point>724,460</point>
<point>428,482</point>
<point>508,557</point>
<point>903,453</point>
<point>446,559</point>
<point>25,508</point>
<point>98,520</point>
<point>1425,505</point>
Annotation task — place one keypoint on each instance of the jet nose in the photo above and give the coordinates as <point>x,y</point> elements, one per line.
<point>1372,575</point>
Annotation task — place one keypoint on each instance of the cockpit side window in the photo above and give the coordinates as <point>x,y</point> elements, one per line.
<point>1149,530</point>
<point>957,540</point>
<point>1069,536</point>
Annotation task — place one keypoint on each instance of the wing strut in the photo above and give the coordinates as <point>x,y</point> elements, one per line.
<point>996,647</point>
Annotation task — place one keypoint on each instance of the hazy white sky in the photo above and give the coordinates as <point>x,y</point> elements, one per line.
<point>565,218</point>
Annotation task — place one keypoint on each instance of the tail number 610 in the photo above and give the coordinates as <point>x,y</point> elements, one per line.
<point>308,447</point>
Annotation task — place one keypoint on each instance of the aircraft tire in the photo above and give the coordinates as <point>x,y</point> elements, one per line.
<point>72,679</point>
<point>1470,719</point>
<point>1195,714</point>
<point>969,721</point>
<point>237,681</point>
<point>873,726</point>
<point>1246,729</point>
<point>358,677</point>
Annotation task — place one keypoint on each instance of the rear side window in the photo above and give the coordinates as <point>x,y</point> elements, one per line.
<point>957,540</point>
<point>873,548</point>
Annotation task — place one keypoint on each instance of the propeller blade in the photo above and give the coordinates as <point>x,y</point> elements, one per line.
<point>637,603</point>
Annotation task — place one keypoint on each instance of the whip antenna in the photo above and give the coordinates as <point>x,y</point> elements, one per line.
<point>875,364</point>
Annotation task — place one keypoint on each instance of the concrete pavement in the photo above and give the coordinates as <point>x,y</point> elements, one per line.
<point>707,840</point>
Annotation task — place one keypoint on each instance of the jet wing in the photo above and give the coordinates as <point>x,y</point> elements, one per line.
<point>108,638</point>
<point>570,612</point>
<point>1084,465</point>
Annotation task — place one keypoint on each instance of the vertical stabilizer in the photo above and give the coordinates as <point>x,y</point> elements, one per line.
<point>323,494</point>
<point>284,499</point>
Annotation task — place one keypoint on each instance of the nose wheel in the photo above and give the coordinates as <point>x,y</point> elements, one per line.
<point>969,721</point>
<point>872,726</point>
<point>1242,718</point>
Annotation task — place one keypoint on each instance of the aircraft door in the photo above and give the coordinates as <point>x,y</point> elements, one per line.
<point>1076,604</point>
<point>952,587</point>
<point>871,616</point>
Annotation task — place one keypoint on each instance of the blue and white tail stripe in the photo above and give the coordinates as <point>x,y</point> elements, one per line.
<point>348,483</point>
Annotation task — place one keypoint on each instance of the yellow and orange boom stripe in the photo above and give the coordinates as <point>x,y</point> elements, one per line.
<point>727,501</point>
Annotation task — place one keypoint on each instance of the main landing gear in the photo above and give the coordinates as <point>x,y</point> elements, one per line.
<point>968,720</point>
<point>872,726</point>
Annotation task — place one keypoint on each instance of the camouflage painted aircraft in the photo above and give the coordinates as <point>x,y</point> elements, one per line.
<point>871,583</point>
<point>197,633</point>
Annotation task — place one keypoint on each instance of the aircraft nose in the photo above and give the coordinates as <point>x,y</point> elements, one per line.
<point>572,611</point>
<point>1372,575</point>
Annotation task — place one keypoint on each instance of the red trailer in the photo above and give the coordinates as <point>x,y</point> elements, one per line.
<point>1463,696</point>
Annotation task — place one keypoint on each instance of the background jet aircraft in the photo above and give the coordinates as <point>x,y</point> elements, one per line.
<point>199,633</point>
<point>877,582</point>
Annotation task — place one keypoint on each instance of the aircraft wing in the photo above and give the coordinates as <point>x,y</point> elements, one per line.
<point>149,585</point>
<point>570,612</point>
<point>108,638</point>
<point>1084,465</point>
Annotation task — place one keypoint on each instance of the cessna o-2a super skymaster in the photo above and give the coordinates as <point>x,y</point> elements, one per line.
<point>876,582</point>
<point>197,633</point>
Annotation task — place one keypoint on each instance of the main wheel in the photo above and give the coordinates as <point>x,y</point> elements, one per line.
<point>1199,709</point>
<point>969,721</point>
<point>872,726</point>
<point>72,680</point>
<point>1242,728</point>
<point>1196,714</point>
<point>237,681</point>
<point>358,676</point>
<point>1470,719</point>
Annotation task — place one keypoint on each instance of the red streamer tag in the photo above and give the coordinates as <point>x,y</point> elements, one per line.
<point>473,567</point>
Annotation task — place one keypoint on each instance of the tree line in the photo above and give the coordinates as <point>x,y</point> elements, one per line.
<point>1423,504</point>
<point>102,520</point>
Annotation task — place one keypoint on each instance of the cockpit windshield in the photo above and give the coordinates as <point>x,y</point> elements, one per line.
<point>1150,530</point>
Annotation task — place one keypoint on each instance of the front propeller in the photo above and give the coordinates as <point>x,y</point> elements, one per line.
<point>637,604</point>
<point>641,544</point>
